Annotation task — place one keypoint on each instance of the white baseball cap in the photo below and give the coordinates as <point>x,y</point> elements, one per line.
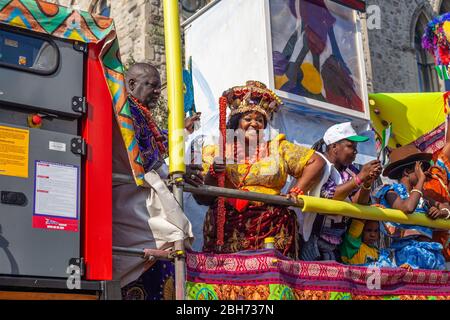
<point>340,132</point>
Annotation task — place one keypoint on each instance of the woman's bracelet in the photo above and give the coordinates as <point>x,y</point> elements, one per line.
<point>358,181</point>
<point>448,213</point>
<point>418,191</point>
<point>297,191</point>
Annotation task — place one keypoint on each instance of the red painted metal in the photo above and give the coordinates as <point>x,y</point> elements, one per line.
<point>97,187</point>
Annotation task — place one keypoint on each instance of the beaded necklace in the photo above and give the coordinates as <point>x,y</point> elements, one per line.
<point>156,133</point>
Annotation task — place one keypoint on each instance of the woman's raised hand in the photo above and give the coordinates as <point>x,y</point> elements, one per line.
<point>419,172</point>
<point>190,122</point>
<point>370,171</point>
<point>194,175</point>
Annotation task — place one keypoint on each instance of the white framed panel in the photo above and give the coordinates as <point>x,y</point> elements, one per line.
<point>228,46</point>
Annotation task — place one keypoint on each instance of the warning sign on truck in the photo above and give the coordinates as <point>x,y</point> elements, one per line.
<point>56,197</point>
<point>14,150</point>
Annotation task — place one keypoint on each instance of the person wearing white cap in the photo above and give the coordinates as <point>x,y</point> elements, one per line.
<point>322,234</point>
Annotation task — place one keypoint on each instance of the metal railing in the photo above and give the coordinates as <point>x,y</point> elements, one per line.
<point>223,192</point>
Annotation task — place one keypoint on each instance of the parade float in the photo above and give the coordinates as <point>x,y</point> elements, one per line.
<point>316,68</point>
<point>310,53</point>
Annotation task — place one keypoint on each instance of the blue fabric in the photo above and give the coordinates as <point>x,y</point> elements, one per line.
<point>147,145</point>
<point>416,254</point>
<point>404,248</point>
<point>157,283</point>
<point>385,259</point>
<point>419,254</point>
<point>188,92</point>
<point>409,230</point>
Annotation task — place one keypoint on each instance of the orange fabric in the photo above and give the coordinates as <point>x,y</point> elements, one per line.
<point>442,238</point>
<point>436,188</point>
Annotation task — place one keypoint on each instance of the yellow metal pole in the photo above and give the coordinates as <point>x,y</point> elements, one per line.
<point>174,86</point>
<point>176,125</point>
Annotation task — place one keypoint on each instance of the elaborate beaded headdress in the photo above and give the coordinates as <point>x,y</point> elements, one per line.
<point>254,96</point>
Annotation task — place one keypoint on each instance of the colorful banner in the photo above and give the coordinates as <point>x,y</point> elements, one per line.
<point>267,275</point>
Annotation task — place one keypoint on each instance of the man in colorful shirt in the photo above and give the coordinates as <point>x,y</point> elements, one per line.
<point>132,213</point>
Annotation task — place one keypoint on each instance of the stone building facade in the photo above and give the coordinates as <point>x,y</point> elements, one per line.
<point>394,60</point>
<point>398,64</point>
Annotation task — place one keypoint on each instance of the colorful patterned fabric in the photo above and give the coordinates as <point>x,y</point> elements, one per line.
<point>436,188</point>
<point>405,247</point>
<point>397,230</point>
<point>267,175</point>
<point>436,185</point>
<point>432,142</point>
<point>329,188</point>
<point>353,250</point>
<point>330,231</point>
<point>247,230</point>
<point>418,254</point>
<point>444,163</point>
<point>65,23</point>
<point>247,226</point>
<point>148,146</point>
<point>267,275</point>
<point>157,283</point>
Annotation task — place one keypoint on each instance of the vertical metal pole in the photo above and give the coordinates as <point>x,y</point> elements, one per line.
<point>180,262</point>
<point>176,122</point>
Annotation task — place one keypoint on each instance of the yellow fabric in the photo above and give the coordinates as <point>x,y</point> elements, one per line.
<point>356,228</point>
<point>411,114</point>
<point>269,174</point>
<point>364,254</point>
<point>327,206</point>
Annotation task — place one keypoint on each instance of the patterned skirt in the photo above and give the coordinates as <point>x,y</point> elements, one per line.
<point>247,230</point>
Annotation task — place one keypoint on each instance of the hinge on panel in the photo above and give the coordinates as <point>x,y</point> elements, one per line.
<point>80,46</point>
<point>79,104</point>
<point>78,146</point>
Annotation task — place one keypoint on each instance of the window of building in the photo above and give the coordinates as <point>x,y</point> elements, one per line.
<point>428,80</point>
<point>445,7</point>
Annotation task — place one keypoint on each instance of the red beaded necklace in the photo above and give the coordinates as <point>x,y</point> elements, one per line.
<point>159,138</point>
